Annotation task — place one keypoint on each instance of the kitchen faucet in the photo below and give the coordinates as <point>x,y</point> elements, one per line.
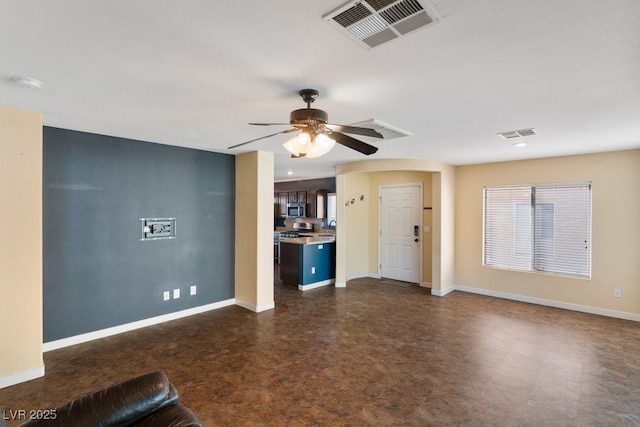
<point>332,221</point>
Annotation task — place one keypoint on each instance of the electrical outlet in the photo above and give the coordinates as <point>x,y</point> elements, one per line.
<point>176,293</point>
<point>166,296</point>
<point>193,290</point>
<point>313,270</point>
<point>617,293</point>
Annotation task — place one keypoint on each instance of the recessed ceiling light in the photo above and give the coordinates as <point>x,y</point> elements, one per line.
<point>27,82</point>
<point>289,173</point>
<point>519,144</point>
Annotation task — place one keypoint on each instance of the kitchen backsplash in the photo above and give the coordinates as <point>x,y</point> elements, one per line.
<point>318,223</point>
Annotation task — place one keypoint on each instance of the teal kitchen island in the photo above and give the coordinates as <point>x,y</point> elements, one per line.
<point>308,262</point>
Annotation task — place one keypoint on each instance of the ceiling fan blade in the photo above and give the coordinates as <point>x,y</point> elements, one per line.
<point>262,137</point>
<point>355,130</point>
<point>269,124</point>
<point>353,143</point>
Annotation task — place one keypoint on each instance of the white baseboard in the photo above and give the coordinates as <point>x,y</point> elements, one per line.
<point>442,292</point>
<point>21,377</point>
<point>355,276</point>
<point>363,275</point>
<point>315,285</point>
<point>90,336</point>
<point>256,308</point>
<point>549,303</point>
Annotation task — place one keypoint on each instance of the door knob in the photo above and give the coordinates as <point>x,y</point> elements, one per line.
<point>416,240</point>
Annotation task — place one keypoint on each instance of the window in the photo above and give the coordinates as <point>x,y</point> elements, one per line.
<point>544,228</point>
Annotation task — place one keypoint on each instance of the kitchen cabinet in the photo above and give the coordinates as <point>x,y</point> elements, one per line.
<point>281,204</point>
<point>284,197</point>
<point>317,204</point>
<point>276,207</point>
<point>315,200</point>
<point>307,266</point>
<point>311,204</point>
<point>302,196</point>
<point>298,196</point>
<point>321,204</point>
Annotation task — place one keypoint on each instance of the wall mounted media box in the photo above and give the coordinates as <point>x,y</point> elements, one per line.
<point>158,228</point>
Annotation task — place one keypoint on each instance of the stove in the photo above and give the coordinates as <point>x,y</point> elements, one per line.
<point>289,234</point>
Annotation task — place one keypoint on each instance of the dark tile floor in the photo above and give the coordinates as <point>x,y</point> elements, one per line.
<point>374,353</point>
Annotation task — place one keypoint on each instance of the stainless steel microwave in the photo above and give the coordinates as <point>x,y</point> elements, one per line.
<point>296,210</point>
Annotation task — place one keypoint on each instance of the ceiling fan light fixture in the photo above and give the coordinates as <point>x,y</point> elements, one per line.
<point>311,146</point>
<point>293,147</point>
<point>321,145</point>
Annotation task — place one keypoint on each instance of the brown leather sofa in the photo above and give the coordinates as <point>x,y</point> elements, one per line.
<point>144,401</point>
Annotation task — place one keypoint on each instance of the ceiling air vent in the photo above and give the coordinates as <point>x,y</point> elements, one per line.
<point>371,23</point>
<point>387,131</point>
<point>517,133</point>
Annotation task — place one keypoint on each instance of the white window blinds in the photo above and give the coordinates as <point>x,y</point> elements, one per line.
<point>545,228</point>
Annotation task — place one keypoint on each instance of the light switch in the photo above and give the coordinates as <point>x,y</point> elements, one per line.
<point>176,293</point>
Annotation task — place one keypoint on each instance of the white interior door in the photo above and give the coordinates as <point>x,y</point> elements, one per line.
<point>400,225</point>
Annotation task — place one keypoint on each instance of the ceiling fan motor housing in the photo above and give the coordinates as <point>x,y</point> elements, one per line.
<point>305,115</point>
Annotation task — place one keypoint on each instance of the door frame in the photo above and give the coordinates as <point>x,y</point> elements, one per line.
<point>420,224</point>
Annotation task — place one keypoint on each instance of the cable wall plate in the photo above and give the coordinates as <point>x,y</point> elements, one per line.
<point>158,228</point>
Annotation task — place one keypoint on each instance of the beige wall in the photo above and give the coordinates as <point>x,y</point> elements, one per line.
<point>357,216</point>
<point>254,231</point>
<point>615,181</point>
<point>444,231</point>
<point>20,246</point>
<point>341,243</point>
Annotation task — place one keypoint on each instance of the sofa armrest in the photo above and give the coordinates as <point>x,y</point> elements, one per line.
<point>171,416</point>
<point>118,405</point>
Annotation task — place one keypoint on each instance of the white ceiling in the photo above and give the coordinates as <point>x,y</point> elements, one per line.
<point>194,73</point>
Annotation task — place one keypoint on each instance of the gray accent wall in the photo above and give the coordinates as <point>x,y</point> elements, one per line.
<point>97,272</point>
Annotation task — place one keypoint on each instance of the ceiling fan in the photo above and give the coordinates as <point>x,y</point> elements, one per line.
<point>317,137</point>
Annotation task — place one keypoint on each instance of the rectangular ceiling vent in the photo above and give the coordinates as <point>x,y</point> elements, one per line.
<point>387,131</point>
<point>371,23</point>
<point>517,133</point>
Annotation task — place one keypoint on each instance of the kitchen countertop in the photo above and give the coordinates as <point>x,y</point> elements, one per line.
<point>317,239</point>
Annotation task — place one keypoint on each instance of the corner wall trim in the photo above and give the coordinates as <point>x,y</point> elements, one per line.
<point>21,377</point>
<point>103,333</point>
<point>315,285</point>
<point>443,292</point>
<point>549,303</point>
<point>362,276</point>
<point>256,308</point>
